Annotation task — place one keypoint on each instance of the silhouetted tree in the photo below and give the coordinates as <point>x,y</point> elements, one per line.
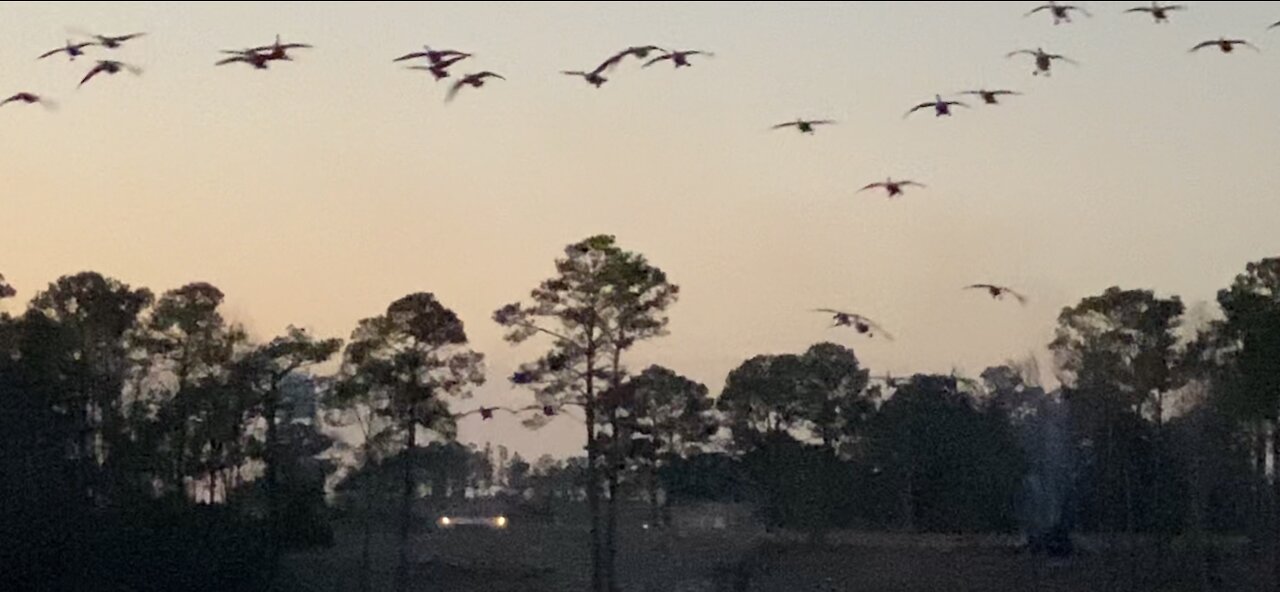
<point>1119,359</point>
<point>672,415</point>
<point>601,301</point>
<point>401,366</point>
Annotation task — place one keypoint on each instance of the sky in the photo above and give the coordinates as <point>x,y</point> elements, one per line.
<point>317,192</point>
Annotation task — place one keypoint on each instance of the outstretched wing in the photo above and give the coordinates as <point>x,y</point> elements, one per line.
<point>1204,44</point>
<point>910,184</point>
<point>875,327</point>
<point>1140,9</point>
<point>978,287</point>
<point>410,56</point>
<point>1055,56</point>
<point>787,124</point>
<point>51,52</point>
<point>1022,299</point>
<point>453,90</point>
<point>1038,9</point>
<point>1020,51</point>
<point>1079,9</point>
<point>832,311</point>
<point>821,122</point>
<point>1244,43</point>
<point>873,186</point>
<point>657,59</point>
<point>574,73</point>
<point>917,108</point>
<point>1274,25</point>
<point>94,72</point>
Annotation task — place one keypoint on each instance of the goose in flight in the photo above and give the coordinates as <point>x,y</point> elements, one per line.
<point>434,56</point>
<point>27,98</point>
<point>990,97</point>
<point>679,58</point>
<point>594,78</point>
<point>1044,60</point>
<point>805,126</point>
<point>640,52</point>
<point>258,60</point>
<point>859,323</point>
<point>940,107</point>
<point>109,67</point>
<point>894,188</point>
<point>440,69</point>
<point>277,50</point>
<point>1061,12</point>
<point>486,413</point>
<point>73,50</point>
<point>1157,11</point>
<point>474,80</point>
<point>1225,45</point>
<point>114,42</point>
<point>998,292</point>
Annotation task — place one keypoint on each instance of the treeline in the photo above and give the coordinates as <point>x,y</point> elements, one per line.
<point>146,442</point>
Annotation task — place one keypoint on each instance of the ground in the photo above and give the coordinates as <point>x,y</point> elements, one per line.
<point>536,558</point>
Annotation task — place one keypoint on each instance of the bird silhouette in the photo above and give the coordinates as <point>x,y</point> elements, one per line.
<point>487,413</point>
<point>474,80</point>
<point>859,323</point>
<point>998,292</point>
<point>1044,60</point>
<point>440,69</point>
<point>1157,11</point>
<point>594,78</point>
<point>434,56</point>
<point>109,67</point>
<point>73,50</point>
<point>805,126</point>
<point>894,188</point>
<point>1061,12</point>
<point>1225,45</point>
<point>27,98</point>
<point>114,42</point>
<point>278,50</point>
<point>640,52</point>
<point>258,60</point>
<point>679,58</point>
<point>990,97</point>
<point>1274,25</point>
<point>940,107</point>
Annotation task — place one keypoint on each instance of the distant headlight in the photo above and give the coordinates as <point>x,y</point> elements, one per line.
<point>500,521</point>
<point>444,521</point>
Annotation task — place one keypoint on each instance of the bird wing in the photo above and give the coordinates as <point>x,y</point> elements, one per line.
<point>1244,43</point>
<point>653,61</point>
<point>832,311</point>
<point>821,122</point>
<point>978,287</point>
<point>51,52</point>
<point>8,100</point>
<point>1055,56</point>
<point>296,46</point>
<point>1274,25</point>
<point>124,38</point>
<point>94,72</point>
<point>1140,9</point>
<point>232,60</point>
<point>1174,7</point>
<point>1079,9</point>
<point>1020,51</point>
<point>957,103</point>
<point>1022,299</point>
<point>1038,9</point>
<point>911,184</point>
<point>874,325</point>
<point>457,86</point>
<point>1203,44</point>
<point>1005,92</point>
<point>487,74</point>
<point>873,186</point>
<point>918,107</point>
<point>410,56</point>
<point>699,52</point>
<point>574,73</point>
<point>787,124</point>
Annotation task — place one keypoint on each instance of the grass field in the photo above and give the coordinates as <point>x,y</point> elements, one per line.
<point>535,558</point>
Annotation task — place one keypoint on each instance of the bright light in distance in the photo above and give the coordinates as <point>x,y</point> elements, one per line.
<point>444,521</point>
<point>501,521</point>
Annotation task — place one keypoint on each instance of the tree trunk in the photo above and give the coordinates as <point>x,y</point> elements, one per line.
<point>406,510</point>
<point>1274,512</point>
<point>615,460</point>
<point>366,565</point>
<point>270,405</point>
<point>593,479</point>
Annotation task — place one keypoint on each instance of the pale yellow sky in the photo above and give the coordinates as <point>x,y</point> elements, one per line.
<point>318,191</point>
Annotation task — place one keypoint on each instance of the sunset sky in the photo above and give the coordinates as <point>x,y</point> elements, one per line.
<point>318,191</point>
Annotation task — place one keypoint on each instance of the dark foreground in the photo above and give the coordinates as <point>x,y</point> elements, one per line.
<point>554,559</point>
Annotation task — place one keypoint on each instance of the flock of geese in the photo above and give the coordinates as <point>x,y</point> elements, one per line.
<point>438,62</point>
